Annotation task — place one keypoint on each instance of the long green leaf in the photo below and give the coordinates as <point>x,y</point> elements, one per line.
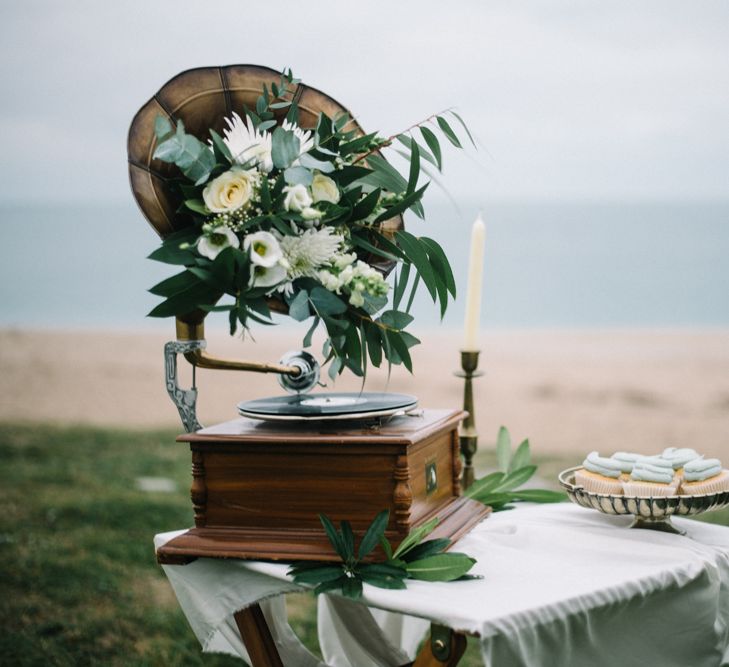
<point>175,284</point>
<point>352,588</point>
<point>375,531</point>
<point>347,539</point>
<point>434,146</point>
<point>414,167</point>
<point>407,141</point>
<point>427,548</point>
<point>539,495</point>
<point>417,254</point>
<point>393,583</point>
<point>384,175</point>
<point>318,575</point>
<point>441,567</point>
<point>465,127</point>
<point>334,536</point>
<point>439,259</point>
<point>413,291</point>
<point>414,537</point>
<point>448,131</point>
<point>402,282</point>
<point>503,449</point>
<point>336,584</point>
<point>485,484</point>
<point>403,205</point>
<point>521,456</point>
<point>516,478</point>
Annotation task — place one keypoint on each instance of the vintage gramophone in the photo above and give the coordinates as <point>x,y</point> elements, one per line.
<point>260,481</point>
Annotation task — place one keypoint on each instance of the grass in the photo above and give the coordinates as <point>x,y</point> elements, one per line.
<point>79,583</point>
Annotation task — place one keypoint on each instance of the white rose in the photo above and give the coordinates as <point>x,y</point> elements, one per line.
<point>216,240</point>
<point>297,198</point>
<point>324,188</point>
<point>230,190</point>
<point>265,249</point>
<point>310,213</point>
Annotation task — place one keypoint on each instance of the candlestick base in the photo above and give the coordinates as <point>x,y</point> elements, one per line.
<point>468,435</point>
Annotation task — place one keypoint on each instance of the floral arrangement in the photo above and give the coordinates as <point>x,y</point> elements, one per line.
<point>278,212</point>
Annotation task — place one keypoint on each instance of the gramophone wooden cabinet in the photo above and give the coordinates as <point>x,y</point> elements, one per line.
<point>258,488</point>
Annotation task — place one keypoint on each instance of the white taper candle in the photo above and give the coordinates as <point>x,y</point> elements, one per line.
<point>473,290</point>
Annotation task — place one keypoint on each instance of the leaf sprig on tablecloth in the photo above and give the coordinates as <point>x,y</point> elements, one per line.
<point>274,210</point>
<point>414,558</point>
<point>500,488</point>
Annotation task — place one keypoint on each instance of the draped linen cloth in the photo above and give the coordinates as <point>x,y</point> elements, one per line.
<point>561,585</point>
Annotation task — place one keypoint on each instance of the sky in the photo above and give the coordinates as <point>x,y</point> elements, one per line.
<point>584,100</point>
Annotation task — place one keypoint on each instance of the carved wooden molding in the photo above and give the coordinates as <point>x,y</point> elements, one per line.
<point>403,495</point>
<point>457,464</point>
<point>198,490</point>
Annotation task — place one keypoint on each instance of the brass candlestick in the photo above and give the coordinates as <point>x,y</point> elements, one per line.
<point>468,433</point>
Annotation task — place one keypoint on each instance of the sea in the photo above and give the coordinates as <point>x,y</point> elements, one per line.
<point>547,264</point>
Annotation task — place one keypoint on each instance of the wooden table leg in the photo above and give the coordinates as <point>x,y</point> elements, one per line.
<point>443,648</point>
<point>257,637</point>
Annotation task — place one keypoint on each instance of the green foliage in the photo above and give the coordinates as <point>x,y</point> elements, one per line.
<point>414,559</point>
<point>500,488</point>
<point>193,157</point>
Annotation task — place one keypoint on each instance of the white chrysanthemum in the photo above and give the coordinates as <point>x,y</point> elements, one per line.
<point>305,137</point>
<point>310,251</point>
<point>265,249</point>
<point>214,241</point>
<point>247,143</point>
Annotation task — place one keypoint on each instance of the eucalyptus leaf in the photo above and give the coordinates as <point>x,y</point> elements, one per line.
<point>310,332</point>
<point>326,302</point>
<point>162,127</point>
<point>299,307</point>
<point>396,319</point>
<point>285,147</point>
<point>298,176</point>
<point>311,162</point>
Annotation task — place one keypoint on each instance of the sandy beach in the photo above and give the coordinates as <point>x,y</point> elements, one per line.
<point>567,391</point>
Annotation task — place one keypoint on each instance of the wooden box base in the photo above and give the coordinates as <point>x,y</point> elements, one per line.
<point>258,489</point>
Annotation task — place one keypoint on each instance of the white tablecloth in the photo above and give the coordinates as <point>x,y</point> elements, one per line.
<point>562,586</point>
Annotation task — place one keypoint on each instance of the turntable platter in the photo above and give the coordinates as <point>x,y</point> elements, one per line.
<point>327,406</point>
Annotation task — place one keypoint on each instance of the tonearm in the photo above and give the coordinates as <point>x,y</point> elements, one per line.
<point>298,371</point>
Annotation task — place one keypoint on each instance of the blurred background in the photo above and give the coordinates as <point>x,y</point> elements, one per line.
<point>602,173</point>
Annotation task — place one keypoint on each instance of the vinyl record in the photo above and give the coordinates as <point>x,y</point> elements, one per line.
<point>327,406</point>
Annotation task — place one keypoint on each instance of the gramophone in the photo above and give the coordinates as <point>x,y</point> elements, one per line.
<point>260,481</point>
